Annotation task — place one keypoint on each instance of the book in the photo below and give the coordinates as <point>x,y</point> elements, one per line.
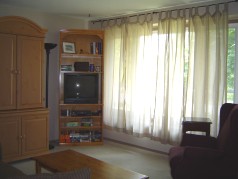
<point>66,68</point>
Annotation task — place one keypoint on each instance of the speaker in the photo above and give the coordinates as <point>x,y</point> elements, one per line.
<point>81,66</point>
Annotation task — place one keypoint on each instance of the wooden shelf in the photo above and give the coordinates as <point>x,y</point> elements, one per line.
<point>79,117</point>
<point>66,55</point>
<point>67,105</point>
<point>81,128</point>
<point>62,72</point>
<point>82,143</point>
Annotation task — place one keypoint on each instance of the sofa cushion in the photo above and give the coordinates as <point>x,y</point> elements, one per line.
<point>83,173</point>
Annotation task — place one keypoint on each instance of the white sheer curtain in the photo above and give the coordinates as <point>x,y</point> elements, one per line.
<point>206,88</point>
<point>156,72</point>
<point>170,78</point>
<point>130,68</point>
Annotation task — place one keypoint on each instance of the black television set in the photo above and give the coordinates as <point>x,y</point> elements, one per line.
<point>81,88</point>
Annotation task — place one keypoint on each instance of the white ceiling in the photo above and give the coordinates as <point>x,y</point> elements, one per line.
<point>98,9</point>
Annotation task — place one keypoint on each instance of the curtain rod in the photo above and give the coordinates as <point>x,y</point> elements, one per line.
<point>157,11</point>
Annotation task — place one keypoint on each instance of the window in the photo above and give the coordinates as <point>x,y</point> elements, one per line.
<point>232,64</point>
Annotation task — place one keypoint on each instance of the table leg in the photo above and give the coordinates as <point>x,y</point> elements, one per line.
<point>38,168</point>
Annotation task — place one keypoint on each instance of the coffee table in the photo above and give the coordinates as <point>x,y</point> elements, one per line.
<point>69,160</point>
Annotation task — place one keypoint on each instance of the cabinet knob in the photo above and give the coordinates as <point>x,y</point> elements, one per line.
<point>14,71</point>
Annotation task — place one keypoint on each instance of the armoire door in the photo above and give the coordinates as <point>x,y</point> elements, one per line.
<point>34,133</point>
<point>30,87</point>
<point>10,136</point>
<point>8,72</point>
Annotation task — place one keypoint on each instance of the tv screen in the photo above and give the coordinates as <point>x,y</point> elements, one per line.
<point>80,88</point>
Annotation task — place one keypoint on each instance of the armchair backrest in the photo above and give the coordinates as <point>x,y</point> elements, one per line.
<point>227,139</point>
<point>224,113</point>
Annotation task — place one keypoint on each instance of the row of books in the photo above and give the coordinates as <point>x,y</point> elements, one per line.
<point>96,48</point>
<point>90,136</point>
<point>84,122</point>
<point>75,113</point>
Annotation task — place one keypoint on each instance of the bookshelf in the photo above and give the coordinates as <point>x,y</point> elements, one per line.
<point>80,117</point>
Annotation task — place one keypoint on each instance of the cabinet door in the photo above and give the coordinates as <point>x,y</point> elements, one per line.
<point>35,133</point>
<point>8,72</point>
<point>30,72</point>
<point>10,137</point>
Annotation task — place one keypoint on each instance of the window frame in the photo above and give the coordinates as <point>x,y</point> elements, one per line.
<point>235,25</point>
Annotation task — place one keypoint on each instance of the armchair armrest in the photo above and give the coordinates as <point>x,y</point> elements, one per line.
<point>198,141</point>
<point>202,153</point>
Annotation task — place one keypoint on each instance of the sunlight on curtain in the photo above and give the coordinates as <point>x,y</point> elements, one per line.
<point>158,71</point>
<point>129,72</point>
<point>114,77</point>
<point>207,65</point>
<point>170,69</point>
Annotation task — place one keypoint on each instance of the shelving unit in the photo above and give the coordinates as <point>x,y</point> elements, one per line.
<point>80,123</point>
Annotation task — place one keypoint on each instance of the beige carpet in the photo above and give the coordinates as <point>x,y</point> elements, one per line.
<point>152,164</point>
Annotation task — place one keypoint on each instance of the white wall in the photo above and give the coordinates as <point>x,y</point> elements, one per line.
<point>53,24</point>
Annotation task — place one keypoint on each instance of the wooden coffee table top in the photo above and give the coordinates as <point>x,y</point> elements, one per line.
<point>69,160</point>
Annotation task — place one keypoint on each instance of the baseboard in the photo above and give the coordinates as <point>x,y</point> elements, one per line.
<point>132,145</point>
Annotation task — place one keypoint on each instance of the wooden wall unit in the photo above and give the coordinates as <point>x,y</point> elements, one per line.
<point>23,116</point>
<point>75,128</point>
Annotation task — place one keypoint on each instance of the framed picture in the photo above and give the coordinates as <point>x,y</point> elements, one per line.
<point>68,47</point>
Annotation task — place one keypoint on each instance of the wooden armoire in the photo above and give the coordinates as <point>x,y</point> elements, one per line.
<point>23,116</point>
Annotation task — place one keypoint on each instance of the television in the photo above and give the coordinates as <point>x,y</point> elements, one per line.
<point>81,88</point>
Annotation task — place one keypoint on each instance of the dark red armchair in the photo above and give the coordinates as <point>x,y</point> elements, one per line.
<point>203,157</point>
